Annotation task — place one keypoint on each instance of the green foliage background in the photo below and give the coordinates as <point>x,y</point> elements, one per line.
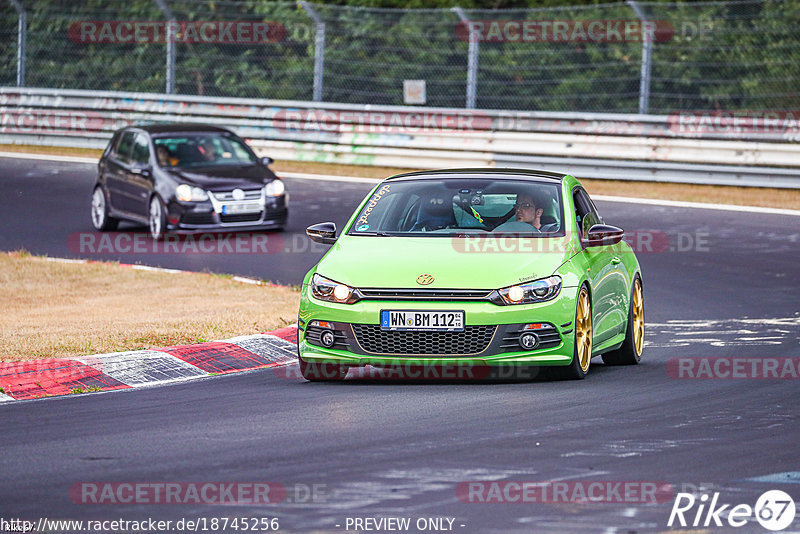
<point>742,54</point>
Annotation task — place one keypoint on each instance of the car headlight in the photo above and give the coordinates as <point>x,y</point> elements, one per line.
<point>275,188</point>
<point>530,292</point>
<point>325,289</point>
<point>187,193</point>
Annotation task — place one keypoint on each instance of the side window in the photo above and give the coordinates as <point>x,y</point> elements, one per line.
<point>585,212</point>
<point>123,150</point>
<point>141,151</point>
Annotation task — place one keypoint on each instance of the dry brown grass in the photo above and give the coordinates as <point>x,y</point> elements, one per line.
<point>746,196</point>
<point>54,310</point>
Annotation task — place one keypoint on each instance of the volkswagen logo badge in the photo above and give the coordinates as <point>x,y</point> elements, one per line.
<point>238,194</point>
<point>425,279</point>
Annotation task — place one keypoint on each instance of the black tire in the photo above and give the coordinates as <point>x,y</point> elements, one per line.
<point>101,220</point>
<point>157,219</point>
<point>322,372</point>
<point>628,353</point>
<point>574,371</point>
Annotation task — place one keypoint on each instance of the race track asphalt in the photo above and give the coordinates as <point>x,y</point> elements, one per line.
<point>379,448</point>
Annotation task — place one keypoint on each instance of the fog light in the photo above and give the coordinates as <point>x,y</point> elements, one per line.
<point>528,341</point>
<point>327,339</point>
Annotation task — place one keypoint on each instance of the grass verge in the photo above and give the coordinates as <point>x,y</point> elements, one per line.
<point>57,310</point>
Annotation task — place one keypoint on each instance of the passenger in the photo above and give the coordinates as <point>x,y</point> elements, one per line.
<point>164,157</point>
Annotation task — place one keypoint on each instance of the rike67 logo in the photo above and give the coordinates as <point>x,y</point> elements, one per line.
<point>774,510</point>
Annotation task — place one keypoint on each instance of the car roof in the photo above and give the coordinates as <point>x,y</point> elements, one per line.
<point>524,174</point>
<point>180,127</point>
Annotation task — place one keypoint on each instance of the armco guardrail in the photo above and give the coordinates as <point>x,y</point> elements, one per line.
<point>678,148</point>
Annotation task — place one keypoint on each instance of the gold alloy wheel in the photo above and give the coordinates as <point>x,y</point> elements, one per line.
<point>638,317</point>
<point>583,330</point>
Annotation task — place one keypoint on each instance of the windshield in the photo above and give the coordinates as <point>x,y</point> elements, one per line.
<point>457,206</point>
<point>202,150</point>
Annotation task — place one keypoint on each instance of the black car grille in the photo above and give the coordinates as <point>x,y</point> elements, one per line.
<point>313,334</point>
<point>424,294</point>
<point>548,338</point>
<point>240,217</point>
<point>472,340</point>
<point>197,218</point>
<point>251,194</point>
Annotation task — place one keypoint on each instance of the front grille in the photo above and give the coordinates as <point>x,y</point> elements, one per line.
<point>197,218</point>
<point>472,340</point>
<point>424,294</point>
<point>225,196</point>
<point>240,217</point>
<point>548,338</point>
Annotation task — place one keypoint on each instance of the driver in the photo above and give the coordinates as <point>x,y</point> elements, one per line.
<point>207,149</point>
<point>527,211</point>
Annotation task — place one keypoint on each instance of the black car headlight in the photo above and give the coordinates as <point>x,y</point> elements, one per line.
<point>531,292</point>
<point>187,193</point>
<point>275,188</point>
<point>325,289</point>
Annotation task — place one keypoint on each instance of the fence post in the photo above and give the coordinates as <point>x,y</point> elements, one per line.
<point>647,51</point>
<point>169,34</point>
<point>22,41</point>
<point>319,49</point>
<point>472,59</point>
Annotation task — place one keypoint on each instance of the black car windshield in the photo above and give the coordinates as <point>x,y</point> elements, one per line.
<point>201,150</point>
<point>462,206</point>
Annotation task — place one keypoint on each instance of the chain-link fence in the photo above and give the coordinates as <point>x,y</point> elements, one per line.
<point>622,57</point>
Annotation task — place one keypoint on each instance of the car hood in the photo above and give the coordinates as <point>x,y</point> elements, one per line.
<point>224,177</point>
<point>464,263</point>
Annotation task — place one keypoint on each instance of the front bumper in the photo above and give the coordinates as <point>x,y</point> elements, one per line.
<point>194,217</point>
<point>490,338</point>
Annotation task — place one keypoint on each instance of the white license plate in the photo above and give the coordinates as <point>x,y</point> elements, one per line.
<point>231,209</point>
<point>445,321</point>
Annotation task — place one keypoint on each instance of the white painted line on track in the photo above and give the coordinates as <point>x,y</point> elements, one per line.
<point>49,157</point>
<point>328,177</point>
<point>697,205</point>
<point>357,179</point>
<point>65,260</point>
<point>156,269</point>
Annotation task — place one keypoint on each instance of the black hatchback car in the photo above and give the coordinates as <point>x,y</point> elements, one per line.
<point>186,178</point>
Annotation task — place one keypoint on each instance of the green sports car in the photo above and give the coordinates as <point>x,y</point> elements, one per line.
<point>472,268</point>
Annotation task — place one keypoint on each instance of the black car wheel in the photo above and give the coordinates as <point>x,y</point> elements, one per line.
<point>157,219</point>
<point>100,218</point>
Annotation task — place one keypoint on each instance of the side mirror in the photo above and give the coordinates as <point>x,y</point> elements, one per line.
<point>324,233</point>
<point>266,161</point>
<point>602,234</point>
